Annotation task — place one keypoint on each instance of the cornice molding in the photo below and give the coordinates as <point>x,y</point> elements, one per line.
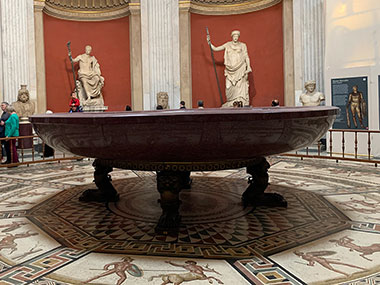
<point>225,7</point>
<point>76,10</point>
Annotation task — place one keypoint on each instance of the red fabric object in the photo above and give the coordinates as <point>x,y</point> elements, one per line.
<point>74,102</point>
<point>13,151</point>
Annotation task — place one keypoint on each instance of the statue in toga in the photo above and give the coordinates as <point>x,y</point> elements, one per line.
<point>237,67</point>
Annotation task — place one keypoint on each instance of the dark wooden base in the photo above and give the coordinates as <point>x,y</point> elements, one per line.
<point>171,182</point>
<point>254,195</point>
<point>105,192</point>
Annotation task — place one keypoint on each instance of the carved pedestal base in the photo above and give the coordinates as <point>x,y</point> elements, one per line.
<point>105,192</point>
<point>254,195</point>
<point>169,184</point>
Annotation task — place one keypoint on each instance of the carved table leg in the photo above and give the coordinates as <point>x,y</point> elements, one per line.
<point>169,184</point>
<point>254,195</point>
<point>105,192</point>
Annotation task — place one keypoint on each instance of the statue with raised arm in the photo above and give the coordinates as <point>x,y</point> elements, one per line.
<point>90,79</point>
<point>237,67</point>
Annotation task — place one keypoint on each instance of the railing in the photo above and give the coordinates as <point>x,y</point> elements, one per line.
<point>357,140</point>
<point>28,154</point>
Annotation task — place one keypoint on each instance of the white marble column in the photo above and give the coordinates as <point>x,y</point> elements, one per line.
<point>160,51</point>
<point>17,48</point>
<point>309,48</point>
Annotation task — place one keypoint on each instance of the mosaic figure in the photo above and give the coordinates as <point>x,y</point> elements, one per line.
<point>317,257</point>
<point>33,194</point>
<point>119,268</point>
<point>9,204</point>
<point>29,252</point>
<point>367,207</point>
<point>196,272</point>
<point>364,250</point>
<point>12,226</point>
<point>8,242</point>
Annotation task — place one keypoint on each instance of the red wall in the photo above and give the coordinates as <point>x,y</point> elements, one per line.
<point>110,46</point>
<point>262,32</point>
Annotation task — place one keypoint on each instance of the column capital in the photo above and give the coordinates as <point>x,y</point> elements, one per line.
<point>134,8</point>
<point>184,6</point>
<point>39,5</point>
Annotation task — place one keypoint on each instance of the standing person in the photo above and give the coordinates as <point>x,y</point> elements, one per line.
<point>182,105</point>
<point>4,117</point>
<point>200,104</point>
<point>11,130</point>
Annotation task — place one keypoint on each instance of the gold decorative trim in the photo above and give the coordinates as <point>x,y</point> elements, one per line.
<point>86,15</point>
<point>208,8</point>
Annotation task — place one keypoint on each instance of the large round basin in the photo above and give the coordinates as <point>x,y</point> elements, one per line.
<point>193,135</point>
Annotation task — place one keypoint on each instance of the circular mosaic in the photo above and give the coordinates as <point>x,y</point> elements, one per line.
<point>139,203</point>
<point>214,223</point>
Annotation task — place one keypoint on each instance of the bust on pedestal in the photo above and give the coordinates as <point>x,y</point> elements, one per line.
<point>163,100</point>
<point>24,109</point>
<point>311,97</point>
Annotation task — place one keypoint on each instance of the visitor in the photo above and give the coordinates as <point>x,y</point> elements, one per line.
<point>11,130</point>
<point>74,103</point>
<point>182,105</point>
<point>159,107</point>
<point>4,117</point>
<point>200,104</point>
<point>128,108</point>
<point>275,103</point>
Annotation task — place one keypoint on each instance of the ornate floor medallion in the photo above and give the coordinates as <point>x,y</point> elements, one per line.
<point>214,222</point>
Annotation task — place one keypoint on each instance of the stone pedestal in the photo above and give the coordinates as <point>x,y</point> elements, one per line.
<point>25,129</point>
<point>95,108</point>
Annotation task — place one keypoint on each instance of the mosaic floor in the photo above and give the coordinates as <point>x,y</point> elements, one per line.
<point>329,234</point>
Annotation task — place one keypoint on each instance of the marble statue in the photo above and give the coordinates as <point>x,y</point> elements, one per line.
<point>163,100</point>
<point>90,80</point>
<point>237,67</point>
<point>23,106</point>
<point>311,97</point>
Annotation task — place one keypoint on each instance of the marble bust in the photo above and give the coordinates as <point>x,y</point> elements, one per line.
<point>237,66</point>
<point>23,106</point>
<point>90,80</point>
<point>311,97</point>
<point>163,100</point>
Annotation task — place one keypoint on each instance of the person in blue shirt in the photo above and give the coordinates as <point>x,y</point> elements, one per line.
<point>11,130</point>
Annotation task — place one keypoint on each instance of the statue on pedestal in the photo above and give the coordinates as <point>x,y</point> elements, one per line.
<point>163,100</point>
<point>90,82</point>
<point>237,67</point>
<point>23,106</point>
<point>311,97</point>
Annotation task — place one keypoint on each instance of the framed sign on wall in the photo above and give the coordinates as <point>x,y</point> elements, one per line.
<point>351,96</point>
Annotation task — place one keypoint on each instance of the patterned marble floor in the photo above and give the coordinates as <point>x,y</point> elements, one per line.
<point>329,234</point>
